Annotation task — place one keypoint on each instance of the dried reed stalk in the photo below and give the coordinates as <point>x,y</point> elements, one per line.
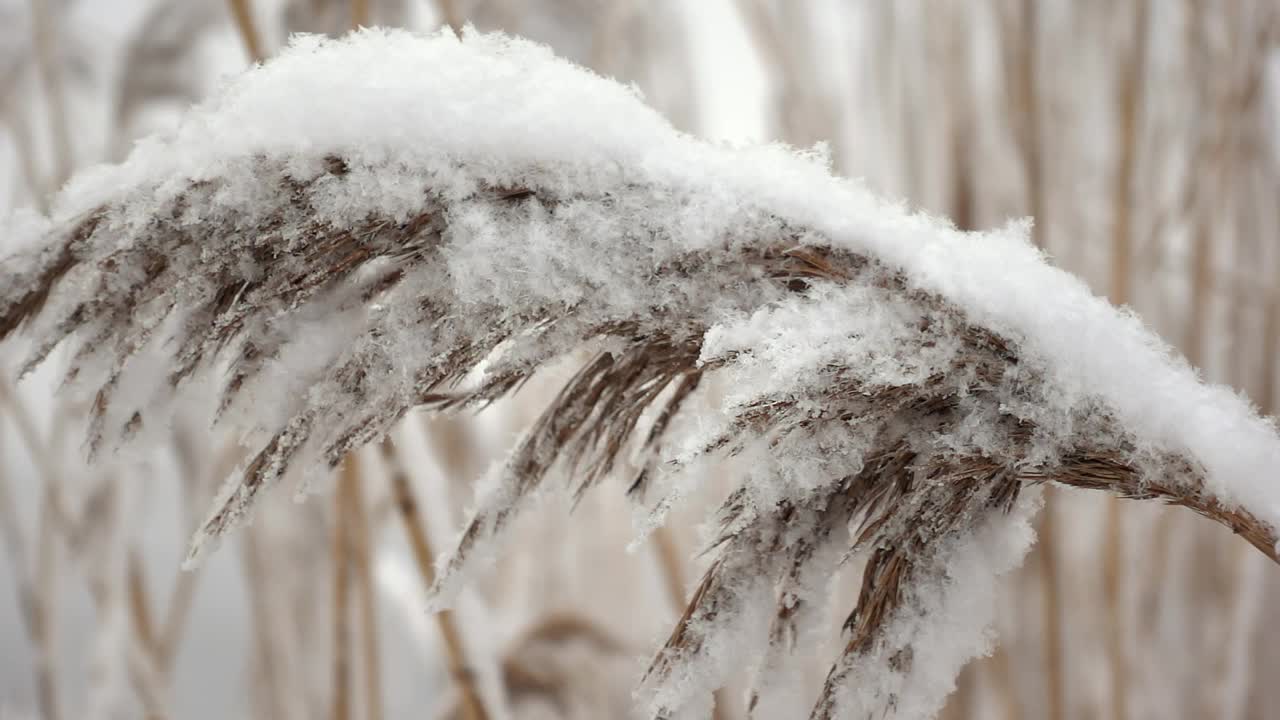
<point>43,617</point>
<point>359,13</point>
<point>1206,156</point>
<point>146,671</point>
<point>672,567</point>
<point>673,574</point>
<point>1002,674</point>
<point>1050,580</point>
<point>1022,53</point>
<point>1113,588</point>
<point>15,545</point>
<point>139,605</point>
<point>459,666</point>
<point>1130,101</point>
<point>34,614</point>
<point>453,442</point>
<point>37,587</point>
<point>1129,98</point>
<point>357,519</point>
<point>175,620</point>
<point>50,72</point>
<point>154,65</point>
<point>269,657</point>
<point>55,527</point>
<point>242,14</point>
<point>1028,101</point>
<point>199,475</point>
<point>342,550</point>
<point>1243,611</point>
<point>156,641</point>
<point>111,596</point>
<point>25,149</point>
<point>1270,213</point>
<point>449,12</point>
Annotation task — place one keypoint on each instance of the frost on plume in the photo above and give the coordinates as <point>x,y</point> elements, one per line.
<point>391,221</point>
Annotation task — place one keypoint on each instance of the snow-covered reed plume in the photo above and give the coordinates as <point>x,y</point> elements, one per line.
<point>390,221</point>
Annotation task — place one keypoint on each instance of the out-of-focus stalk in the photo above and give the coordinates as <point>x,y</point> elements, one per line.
<point>1130,100</point>
<point>341,708</point>
<point>242,13</point>
<point>423,555</point>
<point>357,519</point>
<point>51,80</point>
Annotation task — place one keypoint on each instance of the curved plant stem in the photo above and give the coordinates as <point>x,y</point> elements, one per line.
<point>423,555</point>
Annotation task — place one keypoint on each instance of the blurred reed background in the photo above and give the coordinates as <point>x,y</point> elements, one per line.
<point>1141,135</point>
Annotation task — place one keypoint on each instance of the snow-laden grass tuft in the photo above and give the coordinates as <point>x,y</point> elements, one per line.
<point>390,221</point>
